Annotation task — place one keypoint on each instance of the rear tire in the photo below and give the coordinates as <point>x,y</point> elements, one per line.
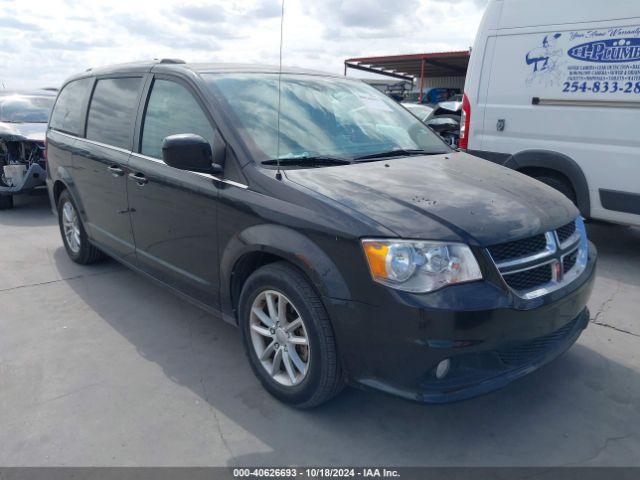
<point>322,377</point>
<point>75,239</point>
<point>6,202</point>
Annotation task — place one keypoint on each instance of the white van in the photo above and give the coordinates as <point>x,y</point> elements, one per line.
<point>553,91</point>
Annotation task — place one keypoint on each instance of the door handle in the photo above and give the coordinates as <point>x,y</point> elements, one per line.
<point>139,178</point>
<point>116,171</point>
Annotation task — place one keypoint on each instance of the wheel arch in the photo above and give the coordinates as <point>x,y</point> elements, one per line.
<point>559,163</point>
<point>62,180</point>
<point>262,244</point>
<point>58,187</point>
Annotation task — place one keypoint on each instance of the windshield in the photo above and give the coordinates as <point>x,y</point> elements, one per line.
<point>25,109</point>
<point>320,116</point>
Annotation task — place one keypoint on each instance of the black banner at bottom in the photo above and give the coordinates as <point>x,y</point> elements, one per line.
<point>286,473</point>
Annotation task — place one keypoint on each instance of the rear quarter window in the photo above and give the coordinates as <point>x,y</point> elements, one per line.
<point>67,115</point>
<point>112,111</point>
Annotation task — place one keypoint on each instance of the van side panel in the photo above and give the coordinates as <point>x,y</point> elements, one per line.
<point>536,13</point>
<point>479,56</point>
<point>573,89</point>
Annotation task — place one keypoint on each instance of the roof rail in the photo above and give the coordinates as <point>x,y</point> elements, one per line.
<point>172,60</point>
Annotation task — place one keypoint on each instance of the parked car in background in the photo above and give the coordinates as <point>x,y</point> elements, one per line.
<point>440,119</point>
<point>423,112</point>
<point>553,91</point>
<point>449,109</point>
<point>23,123</point>
<point>431,96</point>
<point>349,245</point>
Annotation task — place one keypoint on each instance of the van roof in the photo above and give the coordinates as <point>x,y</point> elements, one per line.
<point>174,64</point>
<point>527,13</point>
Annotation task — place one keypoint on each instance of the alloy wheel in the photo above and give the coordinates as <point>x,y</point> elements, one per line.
<point>279,338</point>
<point>71,227</point>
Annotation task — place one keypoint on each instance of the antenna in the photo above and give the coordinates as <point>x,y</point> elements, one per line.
<point>278,172</point>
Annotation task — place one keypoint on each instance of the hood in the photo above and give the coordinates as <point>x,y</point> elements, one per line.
<point>452,197</point>
<point>19,132</point>
<point>451,106</point>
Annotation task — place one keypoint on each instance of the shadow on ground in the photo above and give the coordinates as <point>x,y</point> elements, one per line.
<point>582,408</point>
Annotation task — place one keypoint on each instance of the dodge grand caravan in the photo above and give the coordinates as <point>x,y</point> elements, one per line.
<point>347,242</point>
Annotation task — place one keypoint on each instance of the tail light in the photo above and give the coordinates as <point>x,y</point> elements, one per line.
<point>465,122</point>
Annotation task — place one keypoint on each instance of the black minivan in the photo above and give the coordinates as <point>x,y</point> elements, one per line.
<point>348,242</point>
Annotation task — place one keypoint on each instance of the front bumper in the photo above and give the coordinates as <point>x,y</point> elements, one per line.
<point>34,177</point>
<point>490,336</point>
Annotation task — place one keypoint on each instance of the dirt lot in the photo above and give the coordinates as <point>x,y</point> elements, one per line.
<point>98,366</point>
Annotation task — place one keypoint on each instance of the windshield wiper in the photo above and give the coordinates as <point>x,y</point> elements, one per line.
<point>308,161</point>
<point>400,152</point>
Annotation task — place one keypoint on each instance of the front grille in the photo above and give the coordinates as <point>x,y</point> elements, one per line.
<point>527,352</point>
<point>564,233</point>
<point>532,267</point>
<point>518,249</point>
<point>569,261</point>
<point>529,279</point>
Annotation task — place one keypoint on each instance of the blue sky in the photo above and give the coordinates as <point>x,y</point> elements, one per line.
<point>44,42</point>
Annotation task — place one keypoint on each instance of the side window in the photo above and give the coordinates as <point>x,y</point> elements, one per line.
<point>67,115</point>
<point>112,112</point>
<point>171,110</point>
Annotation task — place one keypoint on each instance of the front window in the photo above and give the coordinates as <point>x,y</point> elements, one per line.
<point>25,109</point>
<point>171,110</point>
<point>320,116</point>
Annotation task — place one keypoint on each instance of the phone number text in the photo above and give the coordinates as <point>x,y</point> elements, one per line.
<point>601,87</point>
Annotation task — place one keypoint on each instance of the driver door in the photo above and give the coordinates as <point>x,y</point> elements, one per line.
<point>174,212</point>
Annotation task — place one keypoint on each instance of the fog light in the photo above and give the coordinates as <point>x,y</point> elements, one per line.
<point>443,369</point>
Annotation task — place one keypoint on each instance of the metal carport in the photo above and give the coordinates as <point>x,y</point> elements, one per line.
<point>419,66</point>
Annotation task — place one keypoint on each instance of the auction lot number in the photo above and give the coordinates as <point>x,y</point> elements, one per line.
<point>315,473</point>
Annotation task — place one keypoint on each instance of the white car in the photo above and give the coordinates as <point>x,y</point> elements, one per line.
<point>553,91</point>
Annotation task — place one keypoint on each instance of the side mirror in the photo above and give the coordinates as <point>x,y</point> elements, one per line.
<point>188,151</point>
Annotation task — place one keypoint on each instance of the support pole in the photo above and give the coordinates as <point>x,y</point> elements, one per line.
<point>421,80</point>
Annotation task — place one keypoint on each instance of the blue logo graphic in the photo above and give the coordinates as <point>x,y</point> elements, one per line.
<point>608,51</point>
<point>540,57</point>
<point>546,62</point>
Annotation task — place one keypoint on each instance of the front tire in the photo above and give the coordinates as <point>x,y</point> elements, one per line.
<point>74,236</point>
<point>288,337</point>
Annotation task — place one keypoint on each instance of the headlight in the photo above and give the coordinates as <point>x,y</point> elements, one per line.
<point>420,266</point>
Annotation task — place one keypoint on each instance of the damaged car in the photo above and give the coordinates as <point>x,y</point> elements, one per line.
<point>23,123</point>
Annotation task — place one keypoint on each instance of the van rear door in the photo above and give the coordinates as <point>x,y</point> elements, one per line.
<point>101,159</point>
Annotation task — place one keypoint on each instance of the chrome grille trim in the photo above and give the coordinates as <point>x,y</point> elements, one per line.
<point>554,254</point>
<point>550,249</point>
<point>575,238</point>
<point>511,272</point>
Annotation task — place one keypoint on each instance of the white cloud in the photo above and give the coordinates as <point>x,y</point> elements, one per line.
<point>44,41</point>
